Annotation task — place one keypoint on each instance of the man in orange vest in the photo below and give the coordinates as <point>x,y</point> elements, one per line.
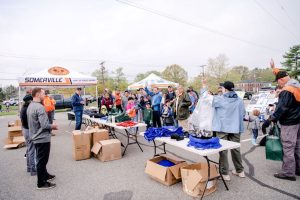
<point>288,114</point>
<point>49,104</point>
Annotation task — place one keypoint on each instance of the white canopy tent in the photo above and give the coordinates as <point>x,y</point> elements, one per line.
<point>57,77</point>
<point>153,81</point>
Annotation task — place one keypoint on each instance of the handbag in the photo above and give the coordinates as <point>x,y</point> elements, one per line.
<point>273,145</point>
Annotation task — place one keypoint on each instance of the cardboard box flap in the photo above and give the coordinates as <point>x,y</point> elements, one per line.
<point>172,158</point>
<point>156,170</point>
<point>10,146</point>
<point>76,132</point>
<point>14,128</point>
<point>107,142</point>
<point>176,169</point>
<point>96,148</point>
<point>193,180</point>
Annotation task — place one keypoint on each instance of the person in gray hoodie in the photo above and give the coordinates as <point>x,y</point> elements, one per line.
<point>229,112</point>
<point>40,130</point>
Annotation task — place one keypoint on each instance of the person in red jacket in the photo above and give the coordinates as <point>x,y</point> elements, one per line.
<point>107,102</point>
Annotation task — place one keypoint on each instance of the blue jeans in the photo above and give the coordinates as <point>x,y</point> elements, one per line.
<point>78,119</point>
<point>255,133</point>
<point>30,152</point>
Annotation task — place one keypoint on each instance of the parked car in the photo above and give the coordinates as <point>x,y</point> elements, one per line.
<point>248,95</point>
<point>61,102</point>
<point>12,102</point>
<point>89,98</point>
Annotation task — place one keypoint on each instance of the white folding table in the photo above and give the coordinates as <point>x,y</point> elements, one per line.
<point>112,129</point>
<point>182,144</point>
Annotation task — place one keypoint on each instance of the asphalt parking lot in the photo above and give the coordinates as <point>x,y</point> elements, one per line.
<point>125,178</point>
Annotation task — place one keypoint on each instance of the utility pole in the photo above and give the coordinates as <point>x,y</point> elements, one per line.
<point>202,66</point>
<point>102,69</point>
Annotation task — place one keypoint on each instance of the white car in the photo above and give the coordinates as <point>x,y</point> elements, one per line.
<point>12,102</point>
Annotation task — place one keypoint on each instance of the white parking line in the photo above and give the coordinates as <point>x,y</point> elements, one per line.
<point>246,140</point>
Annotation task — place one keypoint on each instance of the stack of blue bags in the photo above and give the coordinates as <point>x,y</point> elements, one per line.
<point>165,131</point>
<point>202,144</point>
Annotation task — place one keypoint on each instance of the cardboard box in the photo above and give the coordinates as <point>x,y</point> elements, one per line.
<point>107,150</point>
<point>194,178</point>
<point>81,145</point>
<point>97,134</point>
<point>16,142</point>
<point>165,175</point>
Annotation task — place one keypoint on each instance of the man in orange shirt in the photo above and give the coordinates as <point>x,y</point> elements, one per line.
<point>49,104</point>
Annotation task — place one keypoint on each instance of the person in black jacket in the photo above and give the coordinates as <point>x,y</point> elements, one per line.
<point>30,151</point>
<point>288,114</point>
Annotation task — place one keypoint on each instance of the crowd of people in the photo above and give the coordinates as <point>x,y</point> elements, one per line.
<point>172,107</point>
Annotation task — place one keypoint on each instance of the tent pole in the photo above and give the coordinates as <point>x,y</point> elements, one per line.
<point>84,90</point>
<point>96,93</point>
<point>19,106</point>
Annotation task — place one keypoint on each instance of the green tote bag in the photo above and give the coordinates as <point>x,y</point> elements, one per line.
<point>273,145</point>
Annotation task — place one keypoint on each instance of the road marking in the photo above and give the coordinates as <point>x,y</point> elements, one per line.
<point>246,140</point>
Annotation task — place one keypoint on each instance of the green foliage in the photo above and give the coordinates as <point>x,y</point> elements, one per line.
<point>216,67</point>
<point>141,76</point>
<point>291,61</point>
<point>176,74</point>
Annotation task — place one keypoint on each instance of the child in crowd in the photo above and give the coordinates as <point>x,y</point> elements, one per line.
<point>130,108</point>
<point>148,115</point>
<point>118,100</point>
<point>254,125</point>
<point>167,114</point>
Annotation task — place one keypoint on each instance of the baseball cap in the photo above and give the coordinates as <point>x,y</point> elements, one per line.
<point>228,85</point>
<point>281,74</point>
<point>28,97</point>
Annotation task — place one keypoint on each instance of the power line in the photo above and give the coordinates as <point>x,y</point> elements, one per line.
<point>274,18</point>
<point>286,13</point>
<point>168,16</point>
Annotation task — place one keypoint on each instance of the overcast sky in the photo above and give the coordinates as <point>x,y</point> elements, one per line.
<point>35,35</point>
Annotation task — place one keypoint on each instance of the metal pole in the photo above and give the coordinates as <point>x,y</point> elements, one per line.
<point>19,106</point>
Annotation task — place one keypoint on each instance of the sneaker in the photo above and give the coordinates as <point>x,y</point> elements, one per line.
<point>46,186</point>
<point>282,176</point>
<point>25,156</point>
<point>241,174</point>
<point>51,177</point>
<point>226,177</point>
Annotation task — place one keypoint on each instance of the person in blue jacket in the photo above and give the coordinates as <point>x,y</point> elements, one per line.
<point>229,112</point>
<point>156,98</point>
<point>78,103</point>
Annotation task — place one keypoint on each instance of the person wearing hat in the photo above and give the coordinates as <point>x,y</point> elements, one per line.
<point>30,151</point>
<point>287,112</point>
<point>228,117</point>
<point>77,104</point>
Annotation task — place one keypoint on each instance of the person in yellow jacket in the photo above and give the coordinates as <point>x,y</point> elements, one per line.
<point>49,105</point>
